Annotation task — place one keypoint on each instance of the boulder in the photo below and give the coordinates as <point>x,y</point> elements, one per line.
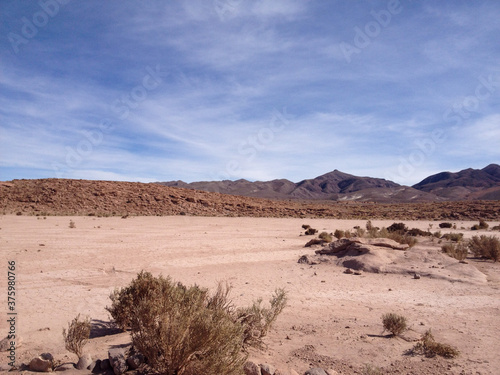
<point>315,371</point>
<point>40,364</point>
<point>135,360</point>
<point>335,247</point>
<point>105,364</point>
<point>305,259</point>
<point>84,362</point>
<point>118,360</point>
<point>267,369</point>
<point>251,368</point>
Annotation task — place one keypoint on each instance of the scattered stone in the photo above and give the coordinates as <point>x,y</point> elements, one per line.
<point>117,359</point>
<point>358,273</point>
<point>348,271</point>
<point>65,367</point>
<point>135,360</point>
<point>315,371</point>
<point>251,368</point>
<point>267,369</point>
<point>84,362</point>
<point>305,259</point>
<point>40,364</point>
<point>331,372</point>
<point>105,364</point>
<point>416,276</point>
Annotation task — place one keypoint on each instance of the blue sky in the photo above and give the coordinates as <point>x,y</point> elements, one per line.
<point>227,89</point>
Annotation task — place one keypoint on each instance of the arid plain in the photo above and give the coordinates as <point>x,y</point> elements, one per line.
<point>333,319</point>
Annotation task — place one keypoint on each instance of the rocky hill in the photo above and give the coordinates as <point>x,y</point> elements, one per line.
<point>335,185</point>
<point>466,184</point>
<point>104,198</point>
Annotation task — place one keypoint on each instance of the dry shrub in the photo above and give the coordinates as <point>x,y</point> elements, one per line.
<point>482,225</point>
<point>418,232</point>
<point>305,226</point>
<point>445,225</point>
<point>185,330</point>
<point>398,228</point>
<point>257,320</point>
<point>456,237</point>
<point>430,348</point>
<point>485,247</point>
<point>338,234</point>
<point>394,323</point>
<point>458,251</point>
<point>77,335</point>
<point>327,237</point>
<point>403,239</point>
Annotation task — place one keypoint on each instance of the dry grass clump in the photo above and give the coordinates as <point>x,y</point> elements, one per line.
<point>455,237</point>
<point>394,323</point>
<point>487,247</point>
<point>430,348</point>
<point>327,237</point>
<point>77,335</point>
<point>482,225</point>
<point>185,330</point>
<point>457,251</point>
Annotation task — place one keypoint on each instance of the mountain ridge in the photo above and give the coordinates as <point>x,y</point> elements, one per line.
<point>340,186</point>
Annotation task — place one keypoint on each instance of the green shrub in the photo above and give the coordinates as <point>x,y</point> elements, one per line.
<point>485,247</point>
<point>327,237</point>
<point>458,252</point>
<point>77,335</point>
<point>445,225</point>
<point>482,225</point>
<point>394,323</point>
<point>430,348</point>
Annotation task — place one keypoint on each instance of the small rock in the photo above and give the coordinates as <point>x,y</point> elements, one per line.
<point>251,368</point>
<point>65,367</point>
<point>5,344</point>
<point>416,276</point>
<point>95,366</point>
<point>358,273</point>
<point>331,371</point>
<point>39,364</point>
<point>305,259</point>
<point>348,271</point>
<point>117,359</point>
<point>84,362</point>
<point>4,367</point>
<point>267,369</point>
<point>105,364</point>
<point>315,371</point>
<point>135,360</point>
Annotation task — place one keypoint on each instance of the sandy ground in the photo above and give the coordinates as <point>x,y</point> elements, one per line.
<point>333,319</point>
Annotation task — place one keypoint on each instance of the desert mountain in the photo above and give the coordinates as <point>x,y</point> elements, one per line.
<point>334,185</point>
<point>466,184</point>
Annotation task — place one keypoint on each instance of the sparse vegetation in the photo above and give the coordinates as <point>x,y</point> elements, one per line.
<point>185,330</point>
<point>445,225</point>
<point>430,348</point>
<point>394,323</point>
<point>77,335</point>
<point>325,236</point>
<point>457,251</point>
<point>397,228</point>
<point>455,237</point>
<point>482,225</point>
<point>338,234</point>
<point>418,232</point>
<point>487,247</point>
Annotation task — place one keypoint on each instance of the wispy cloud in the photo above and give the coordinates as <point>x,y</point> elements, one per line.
<point>76,100</point>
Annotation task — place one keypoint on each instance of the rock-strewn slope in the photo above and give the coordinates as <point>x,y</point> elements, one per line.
<point>84,197</point>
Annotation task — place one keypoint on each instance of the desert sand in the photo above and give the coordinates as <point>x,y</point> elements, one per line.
<point>333,319</point>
